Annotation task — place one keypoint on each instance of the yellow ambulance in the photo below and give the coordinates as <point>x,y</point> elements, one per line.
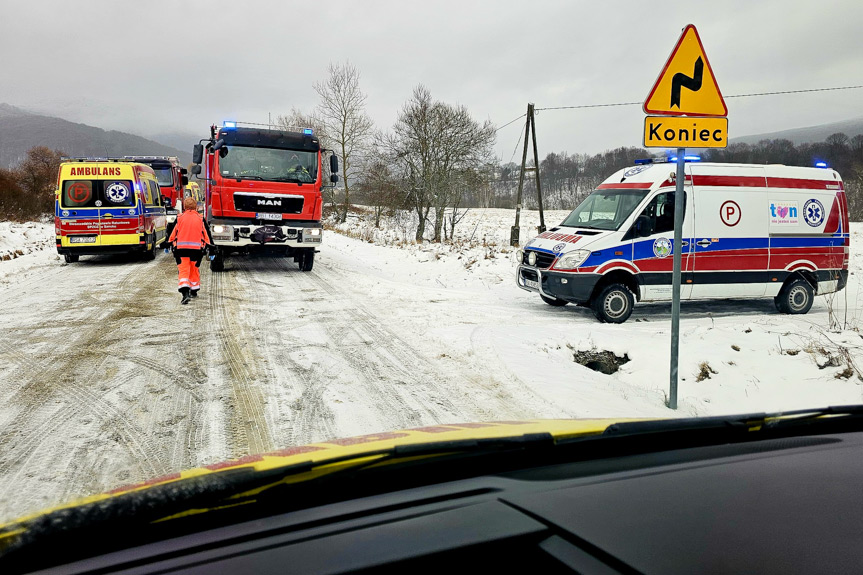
<point>105,206</point>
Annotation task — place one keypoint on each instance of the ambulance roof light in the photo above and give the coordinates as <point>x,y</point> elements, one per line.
<point>820,164</point>
<point>229,124</point>
<point>643,161</point>
<point>307,131</point>
<point>686,159</point>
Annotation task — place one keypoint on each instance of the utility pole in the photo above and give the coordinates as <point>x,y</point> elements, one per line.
<point>529,131</point>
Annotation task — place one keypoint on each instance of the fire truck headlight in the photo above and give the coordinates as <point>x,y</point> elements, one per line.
<point>223,232</point>
<point>312,234</point>
<point>572,260</point>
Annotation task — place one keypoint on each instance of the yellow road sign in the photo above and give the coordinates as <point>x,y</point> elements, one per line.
<point>684,132</point>
<point>686,86</point>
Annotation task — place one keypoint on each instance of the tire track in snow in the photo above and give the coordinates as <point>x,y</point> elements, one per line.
<point>40,438</point>
<point>249,431</point>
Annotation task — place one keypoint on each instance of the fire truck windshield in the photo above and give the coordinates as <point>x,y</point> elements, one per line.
<point>269,164</point>
<point>165,176</point>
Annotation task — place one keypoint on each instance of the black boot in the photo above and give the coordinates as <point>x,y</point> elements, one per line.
<point>185,293</point>
<point>193,293</point>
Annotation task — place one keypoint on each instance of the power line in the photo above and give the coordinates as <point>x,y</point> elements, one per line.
<point>510,122</point>
<point>733,96</point>
<point>518,142</point>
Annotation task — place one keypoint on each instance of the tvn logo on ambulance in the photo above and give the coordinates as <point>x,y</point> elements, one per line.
<point>784,213</point>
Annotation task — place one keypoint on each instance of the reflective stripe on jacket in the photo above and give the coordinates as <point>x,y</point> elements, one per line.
<point>189,232</point>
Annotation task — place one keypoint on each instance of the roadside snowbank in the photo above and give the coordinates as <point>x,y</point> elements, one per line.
<point>24,246</point>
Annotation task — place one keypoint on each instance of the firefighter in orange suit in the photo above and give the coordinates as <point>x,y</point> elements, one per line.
<point>189,240</point>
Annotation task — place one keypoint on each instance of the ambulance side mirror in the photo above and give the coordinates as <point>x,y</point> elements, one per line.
<point>198,154</point>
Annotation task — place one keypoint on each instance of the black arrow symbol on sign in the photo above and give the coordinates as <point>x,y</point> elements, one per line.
<point>679,81</point>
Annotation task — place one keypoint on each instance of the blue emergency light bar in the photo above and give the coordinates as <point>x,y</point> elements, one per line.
<point>686,159</point>
<point>307,131</point>
<point>229,124</point>
<point>820,164</point>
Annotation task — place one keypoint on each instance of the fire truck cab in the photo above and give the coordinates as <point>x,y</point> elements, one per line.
<point>263,192</point>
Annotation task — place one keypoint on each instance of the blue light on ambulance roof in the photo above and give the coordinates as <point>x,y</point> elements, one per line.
<point>307,131</point>
<point>820,164</point>
<point>686,159</point>
<point>643,161</point>
<point>229,124</point>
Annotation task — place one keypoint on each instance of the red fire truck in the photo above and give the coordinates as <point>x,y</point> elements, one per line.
<point>171,178</point>
<point>263,191</point>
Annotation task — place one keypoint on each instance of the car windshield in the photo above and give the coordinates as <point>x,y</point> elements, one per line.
<point>240,239</point>
<point>269,164</point>
<point>165,176</point>
<point>605,209</point>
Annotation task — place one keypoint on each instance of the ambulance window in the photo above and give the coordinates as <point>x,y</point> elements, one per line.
<point>78,194</point>
<point>154,193</point>
<point>117,193</point>
<point>659,214</point>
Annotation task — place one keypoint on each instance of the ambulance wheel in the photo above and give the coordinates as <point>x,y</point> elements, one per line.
<point>796,297</point>
<point>71,258</point>
<point>307,260</point>
<point>150,254</point>
<point>552,301</point>
<point>217,264</point>
<point>613,304</point>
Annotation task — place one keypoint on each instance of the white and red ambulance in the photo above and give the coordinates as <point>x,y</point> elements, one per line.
<point>749,231</point>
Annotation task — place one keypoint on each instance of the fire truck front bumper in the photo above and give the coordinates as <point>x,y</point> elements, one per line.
<point>243,237</point>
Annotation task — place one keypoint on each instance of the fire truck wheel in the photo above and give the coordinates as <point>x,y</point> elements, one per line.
<point>70,258</point>
<point>307,260</point>
<point>796,297</point>
<point>217,264</point>
<point>553,301</point>
<point>613,304</point>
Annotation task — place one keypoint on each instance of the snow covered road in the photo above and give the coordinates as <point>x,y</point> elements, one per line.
<point>106,380</point>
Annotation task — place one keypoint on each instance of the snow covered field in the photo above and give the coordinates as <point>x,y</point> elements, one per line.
<point>102,385</point>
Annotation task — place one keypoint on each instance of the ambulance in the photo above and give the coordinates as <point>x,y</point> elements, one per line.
<point>749,231</point>
<point>107,206</point>
<point>193,190</point>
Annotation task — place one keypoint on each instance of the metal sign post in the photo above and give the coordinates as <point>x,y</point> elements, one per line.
<point>677,252</point>
<point>691,112</point>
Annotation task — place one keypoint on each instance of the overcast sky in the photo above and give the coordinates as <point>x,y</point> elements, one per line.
<point>177,66</point>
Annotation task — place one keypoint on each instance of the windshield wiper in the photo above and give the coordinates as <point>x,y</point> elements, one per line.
<point>287,179</point>
<point>239,178</point>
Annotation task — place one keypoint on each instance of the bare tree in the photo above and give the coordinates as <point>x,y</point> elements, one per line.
<point>296,120</point>
<point>379,188</point>
<point>433,145</point>
<point>342,111</point>
<point>37,176</point>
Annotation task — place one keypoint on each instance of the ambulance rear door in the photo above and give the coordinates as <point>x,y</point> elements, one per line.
<point>731,243</point>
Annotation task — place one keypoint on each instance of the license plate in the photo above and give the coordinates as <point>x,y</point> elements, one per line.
<point>531,284</point>
<point>82,239</point>
<point>264,216</point>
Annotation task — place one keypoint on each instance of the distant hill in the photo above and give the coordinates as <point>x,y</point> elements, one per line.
<point>20,130</point>
<point>809,134</point>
